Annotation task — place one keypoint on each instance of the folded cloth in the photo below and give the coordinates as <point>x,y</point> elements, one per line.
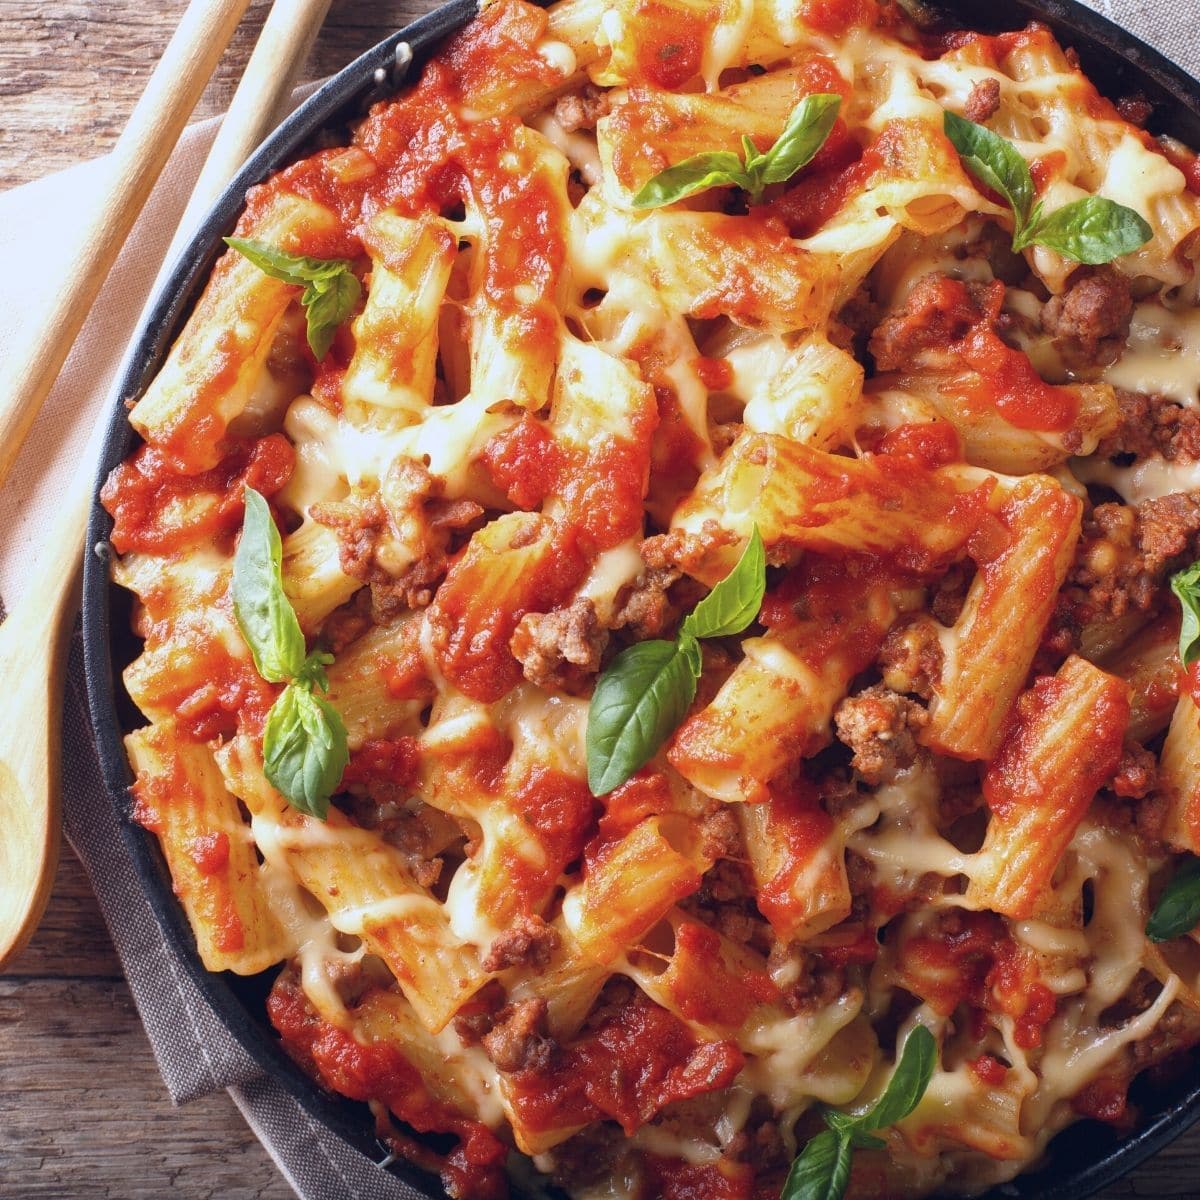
<point>196,1053</point>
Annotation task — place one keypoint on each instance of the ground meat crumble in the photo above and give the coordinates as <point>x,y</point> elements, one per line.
<point>399,541</point>
<point>983,101</point>
<point>1089,322</point>
<point>1126,552</point>
<point>560,649</point>
<point>880,727</point>
<point>518,1039</point>
<point>1153,425</point>
<point>530,942</point>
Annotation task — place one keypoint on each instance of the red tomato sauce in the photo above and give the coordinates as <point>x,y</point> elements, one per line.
<point>815,193</point>
<point>213,899</point>
<point>1103,1099</point>
<point>988,1070</point>
<point>524,462</point>
<point>705,988</point>
<point>1046,168</point>
<point>949,968</point>
<point>210,852</point>
<point>603,491</point>
<point>818,76</point>
<point>837,17</point>
<point>1000,377</point>
<point>1186,161</point>
<point>978,964</point>
<point>671,41</point>
<point>474,626</point>
<point>212,693</point>
<point>391,761</point>
<point>1190,681</point>
<point>674,1179</point>
<point>676,451</point>
<point>141,494</point>
<point>645,794</point>
<point>799,824</point>
<point>1010,787</point>
<point>626,1070</point>
<point>602,488</point>
<point>405,676</point>
<point>715,373</point>
<point>378,1071</point>
<point>931,445</point>
<point>559,810</point>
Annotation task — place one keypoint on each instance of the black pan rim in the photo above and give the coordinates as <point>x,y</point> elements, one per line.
<point>1105,49</point>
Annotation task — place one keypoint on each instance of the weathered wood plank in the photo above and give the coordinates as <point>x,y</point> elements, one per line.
<point>71,70</point>
<point>83,1111</point>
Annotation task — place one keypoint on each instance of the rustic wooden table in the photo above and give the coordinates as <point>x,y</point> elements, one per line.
<point>83,1112</point>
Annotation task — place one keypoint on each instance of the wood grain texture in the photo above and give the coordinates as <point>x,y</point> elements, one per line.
<point>71,70</point>
<point>82,1110</point>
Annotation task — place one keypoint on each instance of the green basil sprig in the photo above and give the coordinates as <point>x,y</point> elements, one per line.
<point>804,134</point>
<point>1178,908</point>
<point>1090,230</point>
<point>331,289</point>
<point>1186,586</point>
<point>648,688</point>
<point>304,742</point>
<point>822,1170</point>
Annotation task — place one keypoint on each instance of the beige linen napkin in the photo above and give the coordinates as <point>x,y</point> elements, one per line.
<point>195,1052</point>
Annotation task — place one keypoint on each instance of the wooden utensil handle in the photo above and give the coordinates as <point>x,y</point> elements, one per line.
<point>258,105</point>
<point>138,159</point>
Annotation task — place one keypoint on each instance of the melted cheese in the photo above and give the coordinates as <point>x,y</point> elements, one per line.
<point>476,1075</point>
<point>904,844</point>
<point>781,1048</point>
<point>1146,479</point>
<point>1162,355</point>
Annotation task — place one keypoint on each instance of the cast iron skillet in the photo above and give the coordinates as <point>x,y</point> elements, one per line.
<point>1085,1157</point>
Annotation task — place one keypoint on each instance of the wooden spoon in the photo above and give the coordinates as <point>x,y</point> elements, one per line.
<point>136,162</point>
<point>33,639</point>
<point>32,659</point>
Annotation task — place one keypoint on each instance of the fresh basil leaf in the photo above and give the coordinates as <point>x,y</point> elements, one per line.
<point>264,614</point>
<point>804,134</point>
<point>327,303</point>
<point>1186,586</point>
<point>279,264</point>
<point>821,1171</point>
<point>865,1141</point>
<point>638,701</point>
<point>312,673</point>
<point>994,161</point>
<point>689,647</point>
<point>907,1084</point>
<point>847,1125</point>
<point>721,168</point>
<point>735,601</point>
<point>1178,908</point>
<point>331,289</point>
<point>305,749</point>
<point>1091,230</point>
